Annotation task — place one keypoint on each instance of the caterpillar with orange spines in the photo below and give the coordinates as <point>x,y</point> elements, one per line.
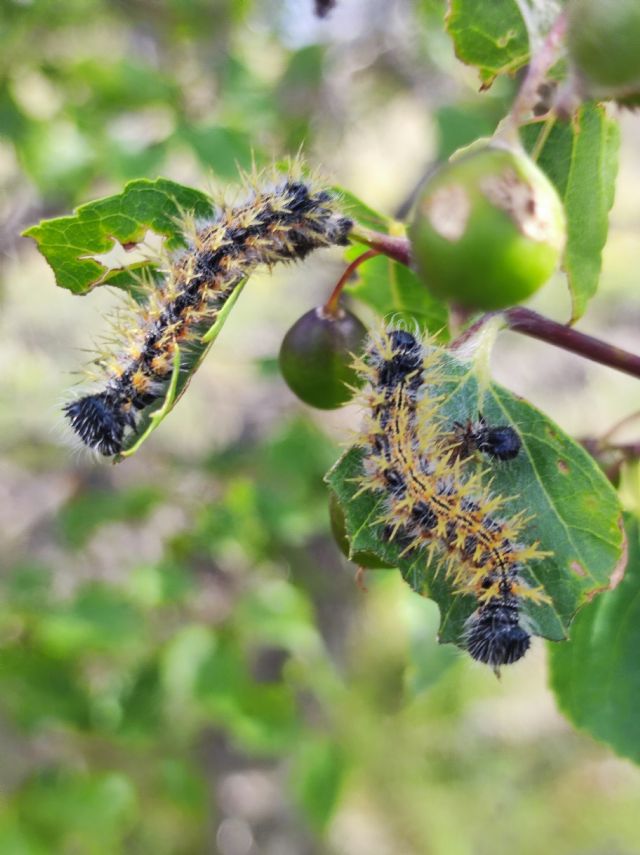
<point>499,442</point>
<point>281,222</point>
<point>435,502</point>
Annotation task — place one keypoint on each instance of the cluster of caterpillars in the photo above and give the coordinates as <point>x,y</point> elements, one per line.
<point>280,223</point>
<point>436,502</point>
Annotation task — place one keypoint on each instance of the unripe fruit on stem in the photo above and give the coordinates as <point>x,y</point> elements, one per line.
<point>489,228</point>
<point>363,559</point>
<point>316,356</point>
<point>604,44</point>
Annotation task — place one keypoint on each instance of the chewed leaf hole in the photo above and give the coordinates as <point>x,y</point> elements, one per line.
<point>121,256</point>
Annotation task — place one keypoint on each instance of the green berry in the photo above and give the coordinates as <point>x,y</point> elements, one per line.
<point>604,44</point>
<point>489,228</point>
<point>316,357</point>
<point>338,528</point>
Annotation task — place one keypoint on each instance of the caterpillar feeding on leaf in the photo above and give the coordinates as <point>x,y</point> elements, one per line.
<point>500,442</point>
<point>434,502</point>
<point>282,222</point>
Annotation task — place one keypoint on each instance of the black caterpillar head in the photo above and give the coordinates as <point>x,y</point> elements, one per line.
<point>404,345</point>
<point>100,422</point>
<point>406,359</point>
<point>493,634</point>
<point>501,442</point>
<point>326,226</point>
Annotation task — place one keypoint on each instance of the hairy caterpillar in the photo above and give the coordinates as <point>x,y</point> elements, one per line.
<point>500,442</point>
<point>283,222</point>
<point>433,503</point>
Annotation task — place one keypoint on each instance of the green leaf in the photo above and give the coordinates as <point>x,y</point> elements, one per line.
<point>574,510</point>
<point>69,243</point>
<point>388,287</point>
<point>459,125</point>
<point>39,688</point>
<point>595,676</point>
<point>260,716</point>
<point>391,288</point>
<point>581,158</point>
<point>490,35</point>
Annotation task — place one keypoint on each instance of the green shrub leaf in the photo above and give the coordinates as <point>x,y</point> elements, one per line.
<point>581,158</point>
<point>391,288</point>
<point>595,676</point>
<point>70,244</point>
<point>492,36</point>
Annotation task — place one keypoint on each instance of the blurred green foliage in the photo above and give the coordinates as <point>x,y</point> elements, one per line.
<point>136,707</point>
<point>186,664</point>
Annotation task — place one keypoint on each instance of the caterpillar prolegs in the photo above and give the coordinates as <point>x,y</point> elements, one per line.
<point>281,223</point>
<point>434,502</point>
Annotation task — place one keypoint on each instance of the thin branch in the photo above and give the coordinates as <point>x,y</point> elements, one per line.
<point>541,61</point>
<point>630,450</point>
<point>530,323</point>
<point>331,307</point>
<point>518,319</point>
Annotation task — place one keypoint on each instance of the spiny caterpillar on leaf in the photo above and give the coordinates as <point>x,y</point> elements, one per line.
<point>282,222</point>
<point>434,502</point>
<point>500,442</point>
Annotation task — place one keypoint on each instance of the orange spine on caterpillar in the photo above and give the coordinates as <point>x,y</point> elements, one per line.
<point>434,503</point>
<point>281,222</point>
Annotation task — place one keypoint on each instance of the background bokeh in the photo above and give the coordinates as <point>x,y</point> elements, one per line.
<point>186,663</point>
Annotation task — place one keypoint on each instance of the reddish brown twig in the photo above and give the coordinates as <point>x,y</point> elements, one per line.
<point>332,305</point>
<point>518,318</point>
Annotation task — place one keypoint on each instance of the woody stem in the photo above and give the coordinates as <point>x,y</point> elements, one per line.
<point>518,318</point>
<point>331,307</point>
